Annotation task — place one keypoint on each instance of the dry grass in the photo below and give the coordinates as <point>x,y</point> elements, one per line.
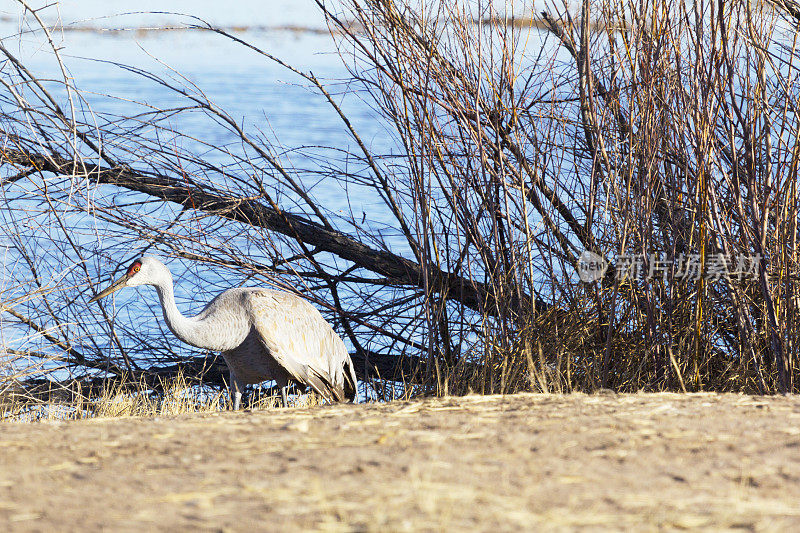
<point>178,397</point>
<point>121,399</point>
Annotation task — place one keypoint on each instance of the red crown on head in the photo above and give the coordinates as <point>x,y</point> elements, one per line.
<point>134,268</point>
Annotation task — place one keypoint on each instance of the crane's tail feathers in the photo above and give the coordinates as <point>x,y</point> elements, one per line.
<point>322,385</point>
<point>332,391</point>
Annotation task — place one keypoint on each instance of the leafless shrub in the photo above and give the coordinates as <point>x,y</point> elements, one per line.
<point>665,131</point>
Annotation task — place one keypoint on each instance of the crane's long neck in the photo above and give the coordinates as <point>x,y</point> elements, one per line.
<point>221,331</point>
<point>185,328</point>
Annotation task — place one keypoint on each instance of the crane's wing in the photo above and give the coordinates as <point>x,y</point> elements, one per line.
<point>303,342</point>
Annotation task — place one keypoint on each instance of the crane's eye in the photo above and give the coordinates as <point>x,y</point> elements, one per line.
<point>134,268</point>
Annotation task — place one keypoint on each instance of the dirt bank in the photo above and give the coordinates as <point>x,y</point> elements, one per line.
<point>656,461</point>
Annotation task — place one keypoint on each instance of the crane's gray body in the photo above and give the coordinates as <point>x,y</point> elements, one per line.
<point>263,334</point>
<point>278,336</point>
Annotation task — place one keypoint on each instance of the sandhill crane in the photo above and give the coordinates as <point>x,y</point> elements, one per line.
<point>263,334</point>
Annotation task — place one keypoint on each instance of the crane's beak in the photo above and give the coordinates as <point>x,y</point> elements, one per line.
<point>117,285</point>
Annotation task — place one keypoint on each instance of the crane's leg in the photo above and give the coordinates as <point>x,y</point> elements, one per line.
<point>235,390</point>
<point>285,395</point>
<point>283,383</point>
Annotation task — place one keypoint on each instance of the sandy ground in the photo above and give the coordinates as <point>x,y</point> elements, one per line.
<point>532,462</point>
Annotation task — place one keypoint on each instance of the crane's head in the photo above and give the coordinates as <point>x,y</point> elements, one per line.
<point>143,271</point>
